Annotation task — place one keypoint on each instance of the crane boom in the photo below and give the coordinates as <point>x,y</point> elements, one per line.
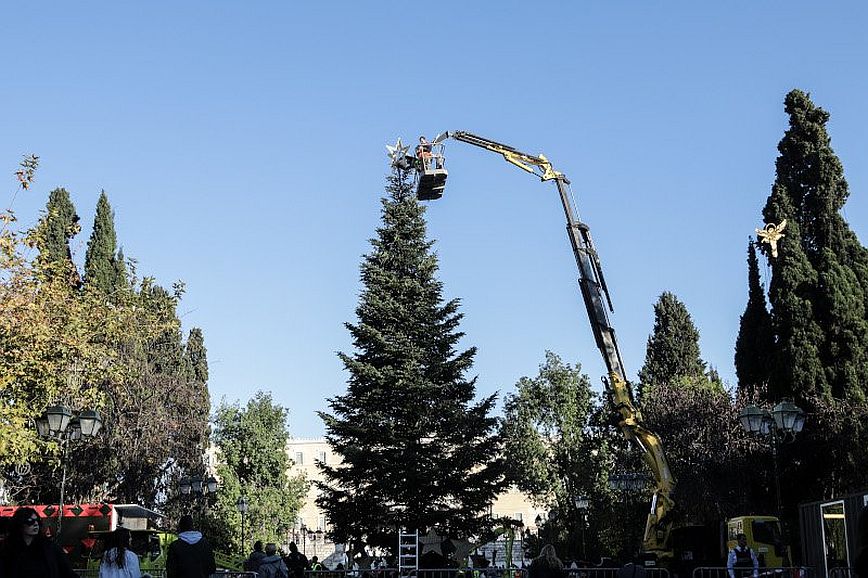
<point>594,291</point>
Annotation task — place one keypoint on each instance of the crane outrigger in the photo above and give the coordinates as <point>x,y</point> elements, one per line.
<point>431,173</point>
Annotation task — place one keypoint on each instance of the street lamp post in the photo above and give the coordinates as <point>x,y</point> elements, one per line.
<point>304,539</point>
<point>781,424</point>
<point>199,489</point>
<point>241,505</point>
<point>582,503</point>
<point>628,484</point>
<point>60,423</point>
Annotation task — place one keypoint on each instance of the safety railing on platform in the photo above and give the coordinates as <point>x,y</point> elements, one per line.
<point>785,572</point>
<point>842,572</point>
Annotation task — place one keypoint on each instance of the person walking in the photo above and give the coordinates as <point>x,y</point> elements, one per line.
<point>272,565</point>
<point>27,553</point>
<point>296,562</point>
<point>743,559</point>
<point>547,564</point>
<point>119,561</point>
<point>190,556</point>
<point>255,558</point>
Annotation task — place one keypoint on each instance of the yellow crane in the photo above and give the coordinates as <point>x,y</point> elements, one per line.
<point>430,167</point>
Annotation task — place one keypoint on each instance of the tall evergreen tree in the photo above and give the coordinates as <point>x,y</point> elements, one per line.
<point>819,280</point>
<point>101,269</point>
<point>197,355</point>
<point>417,450</point>
<point>672,352</point>
<point>57,227</point>
<point>754,345</point>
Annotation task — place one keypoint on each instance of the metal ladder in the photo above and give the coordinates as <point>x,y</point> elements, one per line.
<point>408,551</point>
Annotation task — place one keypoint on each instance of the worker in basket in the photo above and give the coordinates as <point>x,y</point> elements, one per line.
<point>423,152</point>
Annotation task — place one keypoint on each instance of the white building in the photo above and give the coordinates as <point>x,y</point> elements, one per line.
<point>306,452</point>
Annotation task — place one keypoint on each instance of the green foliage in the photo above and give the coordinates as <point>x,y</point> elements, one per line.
<point>253,462</point>
<point>819,279</point>
<point>554,452</point>
<point>417,450</point>
<point>58,343</point>
<point>754,346</point>
<point>103,267</point>
<point>673,346</point>
<point>197,355</point>
<point>57,227</point>
<point>705,446</point>
<point>544,431</point>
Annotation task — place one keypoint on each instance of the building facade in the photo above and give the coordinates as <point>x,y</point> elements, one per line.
<point>312,525</point>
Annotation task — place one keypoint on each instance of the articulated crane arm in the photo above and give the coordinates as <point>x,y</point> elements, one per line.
<point>593,286</point>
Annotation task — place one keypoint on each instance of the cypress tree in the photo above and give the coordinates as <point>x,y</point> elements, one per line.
<point>818,289</point>
<point>754,346</point>
<point>417,451</point>
<point>57,227</point>
<point>101,261</point>
<point>197,356</point>
<point>672,352</point>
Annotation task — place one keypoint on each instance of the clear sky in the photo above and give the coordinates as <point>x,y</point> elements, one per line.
<point>242,147</point>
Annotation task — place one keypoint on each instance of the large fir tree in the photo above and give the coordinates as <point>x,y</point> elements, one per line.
<point>755,343</point>
<point>819,279</point>
<point>672,352</point>
<point>417,451</point>
<point>103,267</point>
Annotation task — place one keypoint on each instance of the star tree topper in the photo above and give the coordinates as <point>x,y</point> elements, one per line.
<point>397,152</point>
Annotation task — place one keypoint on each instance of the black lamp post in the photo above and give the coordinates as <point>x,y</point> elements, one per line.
<point>60,423</point>
<point>781,424</point>
<point>582,503</point>
<point>199,489</point>
<point>241,505</point>
<point>628,484</point>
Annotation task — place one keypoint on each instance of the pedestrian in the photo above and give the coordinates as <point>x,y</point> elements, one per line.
<point>272,566</point>
<point>255,558</point>
<point>190,556</point>
<point>27,553</point>
<point>295,561</point>
<point>119,561</point>
<point>547,564</point>
<point>743,558</point>
<point>315,566</point>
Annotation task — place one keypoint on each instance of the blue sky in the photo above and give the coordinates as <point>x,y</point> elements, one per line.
<point>242,147</point>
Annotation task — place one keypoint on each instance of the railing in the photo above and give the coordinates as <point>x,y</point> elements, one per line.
<point>842,572</point>
<point>593,572</point>
<point>94,573</point>
<point>785,572</point>
<point>161,573</point>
